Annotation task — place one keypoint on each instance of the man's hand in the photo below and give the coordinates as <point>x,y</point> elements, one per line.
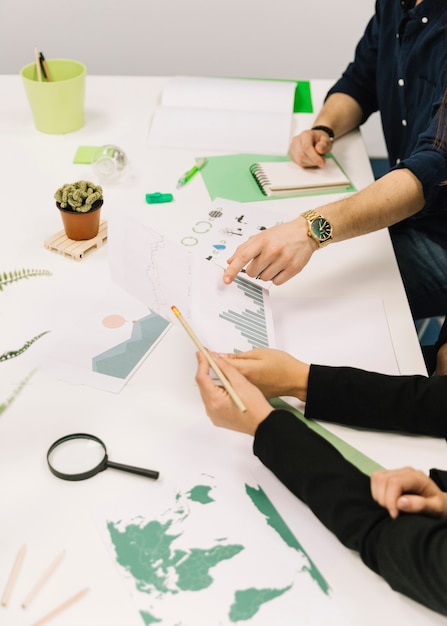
<point>275,254</point>
<point>409,491</point>
<point>309,147</point>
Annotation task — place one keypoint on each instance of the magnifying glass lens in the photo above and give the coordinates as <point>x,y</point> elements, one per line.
<point>80,456</point>
<point>76,456</point>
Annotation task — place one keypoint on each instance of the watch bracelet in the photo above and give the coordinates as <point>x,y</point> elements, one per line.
<point>311,216</point>
<point>325,129</point>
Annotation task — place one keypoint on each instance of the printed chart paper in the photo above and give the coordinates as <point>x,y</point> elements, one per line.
<point>107,344</point>
<point>162,273</point>
<point>212,549</point>
<point>227,224</point>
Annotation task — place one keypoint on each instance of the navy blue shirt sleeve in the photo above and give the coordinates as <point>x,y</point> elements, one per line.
<point>400,69</point>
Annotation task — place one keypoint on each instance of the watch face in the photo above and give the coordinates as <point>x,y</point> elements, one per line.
<point>321,229</point>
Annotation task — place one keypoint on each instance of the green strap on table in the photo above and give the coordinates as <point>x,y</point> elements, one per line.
<point>351,454</point>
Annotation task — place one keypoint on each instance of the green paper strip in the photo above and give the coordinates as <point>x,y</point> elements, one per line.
<point>351,454</point>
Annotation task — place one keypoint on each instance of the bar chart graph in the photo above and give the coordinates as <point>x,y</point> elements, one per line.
<point>251,321</point>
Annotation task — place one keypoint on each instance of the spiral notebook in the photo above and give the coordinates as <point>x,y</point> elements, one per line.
<point>285,178</point>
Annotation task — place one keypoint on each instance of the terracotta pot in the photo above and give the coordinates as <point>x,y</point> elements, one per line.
<point>79,226</point>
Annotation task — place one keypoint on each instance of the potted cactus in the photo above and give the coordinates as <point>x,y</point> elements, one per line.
<point>80,206</point>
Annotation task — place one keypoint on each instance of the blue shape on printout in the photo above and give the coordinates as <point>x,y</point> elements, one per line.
<point>120,360</point>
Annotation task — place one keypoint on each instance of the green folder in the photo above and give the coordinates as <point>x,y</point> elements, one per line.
<point>228,176</point>
<point>303,98</point>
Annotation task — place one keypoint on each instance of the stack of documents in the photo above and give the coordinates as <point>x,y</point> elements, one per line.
<point>225,114</point>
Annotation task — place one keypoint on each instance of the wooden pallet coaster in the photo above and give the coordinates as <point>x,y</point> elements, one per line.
<point>76,250</point>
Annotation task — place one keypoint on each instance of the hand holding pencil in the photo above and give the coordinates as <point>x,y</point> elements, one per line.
<point>219,406</point>
<point>212,363</point>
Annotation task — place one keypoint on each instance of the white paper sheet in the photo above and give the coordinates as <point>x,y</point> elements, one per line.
<point>108,342</point>
<point>230,115</point>
<point>207,535</point>
<point>229,94</point>
<point>335,331</point>
<point>163,274</point>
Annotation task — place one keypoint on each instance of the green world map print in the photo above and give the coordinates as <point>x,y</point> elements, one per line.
<point>217,554</point>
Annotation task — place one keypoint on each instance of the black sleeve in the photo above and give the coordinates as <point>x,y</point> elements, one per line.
<point>410,552</point>
<point>442,338</point>
<point>353,397</point>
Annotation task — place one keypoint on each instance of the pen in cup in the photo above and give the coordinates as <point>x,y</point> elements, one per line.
<point>38,65</point>
<point>190,173</point>
<point>44,66</point>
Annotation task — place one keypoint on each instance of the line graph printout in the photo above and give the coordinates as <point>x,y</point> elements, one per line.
<point>152,268</point>
<point>162,273</point>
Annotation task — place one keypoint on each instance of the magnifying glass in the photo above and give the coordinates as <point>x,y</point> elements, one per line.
<point>80,456</point>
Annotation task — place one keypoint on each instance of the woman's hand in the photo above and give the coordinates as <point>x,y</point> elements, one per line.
<point>409,491</point>
<point>274,372</point>
<point>218,404</point>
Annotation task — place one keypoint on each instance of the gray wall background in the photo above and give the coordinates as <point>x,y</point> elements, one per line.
<point>299,39</point>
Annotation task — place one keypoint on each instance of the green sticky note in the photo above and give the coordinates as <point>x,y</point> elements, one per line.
<point>84,154</point>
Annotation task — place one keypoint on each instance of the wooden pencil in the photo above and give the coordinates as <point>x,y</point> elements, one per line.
<point>61,607</point>
<point>42,580</point>
<point>216,369</point>
<point>13,576</point>
<point>38,67</point>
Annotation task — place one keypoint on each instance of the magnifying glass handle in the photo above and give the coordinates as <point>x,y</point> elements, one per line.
<point>134,470</point>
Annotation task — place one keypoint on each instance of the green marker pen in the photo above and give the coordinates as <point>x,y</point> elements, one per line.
<point>190,173</point>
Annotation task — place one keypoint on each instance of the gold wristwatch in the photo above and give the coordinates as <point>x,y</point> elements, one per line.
<point>318,228</point>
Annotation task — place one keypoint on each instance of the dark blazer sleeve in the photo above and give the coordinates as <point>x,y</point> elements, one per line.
<point>409,552</point>
<point>353,397</point>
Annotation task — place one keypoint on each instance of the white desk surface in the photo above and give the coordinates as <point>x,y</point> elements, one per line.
<point>161,399</point>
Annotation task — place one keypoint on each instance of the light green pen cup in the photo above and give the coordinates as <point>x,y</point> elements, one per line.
<point>57,105</point>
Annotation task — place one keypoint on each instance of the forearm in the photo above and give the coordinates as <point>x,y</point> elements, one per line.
<point>354,397</point>
<point>282,251</point>
<point>410,552</point>
<point>341,113</point>
<point>388,200</point>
